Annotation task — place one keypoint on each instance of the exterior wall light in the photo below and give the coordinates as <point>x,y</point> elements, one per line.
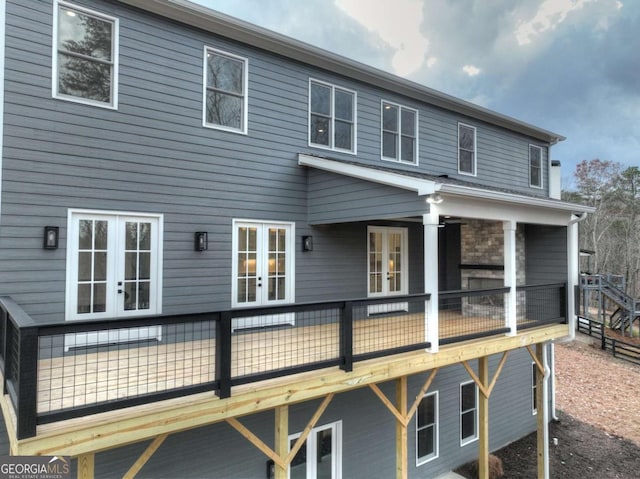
<point>51,237</point>
<point>434,199</point>
<point>307,243</point>
<point>201,241</point>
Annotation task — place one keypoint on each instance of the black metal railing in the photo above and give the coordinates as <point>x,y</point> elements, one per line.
<point>470,314</point>
<point>541,304</point>
<point>59,371</point>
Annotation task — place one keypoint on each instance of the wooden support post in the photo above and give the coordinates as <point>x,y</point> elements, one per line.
<point>542,426</point>
<point>86,466</point>
<point>483,433</point>
<point>282,440</point>
<point>401,429</point>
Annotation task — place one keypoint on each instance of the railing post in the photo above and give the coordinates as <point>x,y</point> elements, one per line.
<point>27,387</point>
<point>564,304</point>
<point>223,354</point>
<point>346,337</point>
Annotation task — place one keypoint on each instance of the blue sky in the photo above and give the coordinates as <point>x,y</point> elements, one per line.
<point>569,66</point>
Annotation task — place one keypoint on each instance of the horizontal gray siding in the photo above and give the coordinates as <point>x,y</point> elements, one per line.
<point>546,254</point>
<point>336,198</point>
<point>368,429</point>
<point>153,155</point>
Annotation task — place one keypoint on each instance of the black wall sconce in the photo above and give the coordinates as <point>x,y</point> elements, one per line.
<point>201,241</point>
<point>307,243</point>
<point>51,237</point>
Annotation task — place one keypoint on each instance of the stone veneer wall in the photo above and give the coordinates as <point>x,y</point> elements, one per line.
<point>483,244</point>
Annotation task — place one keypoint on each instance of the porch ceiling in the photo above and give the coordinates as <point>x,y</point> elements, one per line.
<point>460,198</point>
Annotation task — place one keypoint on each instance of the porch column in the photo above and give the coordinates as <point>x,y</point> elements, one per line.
<point>281,439</point>
<point>510,277</point>
<point>483,419</point>
<point>573,267</point>
<point>430,223</point>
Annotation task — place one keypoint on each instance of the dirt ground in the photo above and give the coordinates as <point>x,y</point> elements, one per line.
<point>598,433</point>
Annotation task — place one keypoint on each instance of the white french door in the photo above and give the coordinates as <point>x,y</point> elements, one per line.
<point>387,266</point>
<point>113,271</point>
<point>320,457</point>
<point>262,269</point>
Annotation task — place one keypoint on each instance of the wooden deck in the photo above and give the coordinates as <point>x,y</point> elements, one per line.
<point>126,371</point>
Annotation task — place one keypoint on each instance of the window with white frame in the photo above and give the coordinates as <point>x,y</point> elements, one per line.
<point>399,133</point>
<point>332,117</point>
<point>466,149</point>
<point>468,412</point>
<point>225,91</point>
<point>534,388</point>
<point>85,55</point>
<point>114,264</point>
<point>320,457</point>
<point>535,166</point>
<point>427,428</point>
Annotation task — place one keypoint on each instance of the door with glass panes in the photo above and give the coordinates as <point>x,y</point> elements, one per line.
<point>113,272</point>
<point>320,457</point>
<point>262,270</point>
<point>387,266</point>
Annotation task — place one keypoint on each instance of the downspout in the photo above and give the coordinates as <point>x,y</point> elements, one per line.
<point>545,409</point>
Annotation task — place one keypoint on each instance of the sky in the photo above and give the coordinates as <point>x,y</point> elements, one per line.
<point>568,66</point>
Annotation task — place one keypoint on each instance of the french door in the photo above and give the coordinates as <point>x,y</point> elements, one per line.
<point>113,271</point>
<point>263,269</point>
<point>388,269</point>
<point>320,457</point>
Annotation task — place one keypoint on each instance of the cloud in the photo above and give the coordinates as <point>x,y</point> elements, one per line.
<point>398,24</point>
<point>550,14</point>
<point>471,70</point>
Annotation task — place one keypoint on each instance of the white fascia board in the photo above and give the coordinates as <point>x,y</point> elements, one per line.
<point>512,198</point>
<point>421,186</point>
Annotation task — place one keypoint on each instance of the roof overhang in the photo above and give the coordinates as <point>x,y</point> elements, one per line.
<point>232,28</point>
<point>462,200</point>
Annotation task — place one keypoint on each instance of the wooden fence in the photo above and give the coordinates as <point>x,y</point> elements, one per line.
<point>619,349</point>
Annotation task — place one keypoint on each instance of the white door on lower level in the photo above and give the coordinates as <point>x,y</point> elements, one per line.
<point>320,457</point>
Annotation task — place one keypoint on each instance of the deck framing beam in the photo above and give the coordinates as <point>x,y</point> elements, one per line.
<point>118,428</point>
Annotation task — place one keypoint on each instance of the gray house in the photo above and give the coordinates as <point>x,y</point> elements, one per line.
<point>227,254</point>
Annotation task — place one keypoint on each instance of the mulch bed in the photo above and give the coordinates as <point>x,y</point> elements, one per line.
<point>583,452</point>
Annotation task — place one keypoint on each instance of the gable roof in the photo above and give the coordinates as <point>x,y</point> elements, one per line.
<point>232,28</point>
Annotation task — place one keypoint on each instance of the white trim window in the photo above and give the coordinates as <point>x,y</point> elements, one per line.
<point>263,263</point>
<point>534,389</point>
<point>114,264</point>
<point>332,117</point>
<point>225,91</point>
<point>85,56</point>
<point>468,412</point>
<point>320,457</point>
<point>427,433</point>
<point>535,166</point>
<point>399,133</point>
<point>466,149</point>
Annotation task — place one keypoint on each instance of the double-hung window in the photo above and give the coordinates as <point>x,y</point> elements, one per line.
<point>332,117</point>
<point>535,166</point>
<point>468,412</point>
<point>466,149</point>
<point>225,91</point>
<point>85,55</point>
<point>427,428</point>
<point>114,265</point>
<point>399,133</point>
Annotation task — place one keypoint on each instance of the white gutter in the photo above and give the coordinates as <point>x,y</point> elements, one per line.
<point>513,198</point>
<point>552,369</point>
<point>545,410</point>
